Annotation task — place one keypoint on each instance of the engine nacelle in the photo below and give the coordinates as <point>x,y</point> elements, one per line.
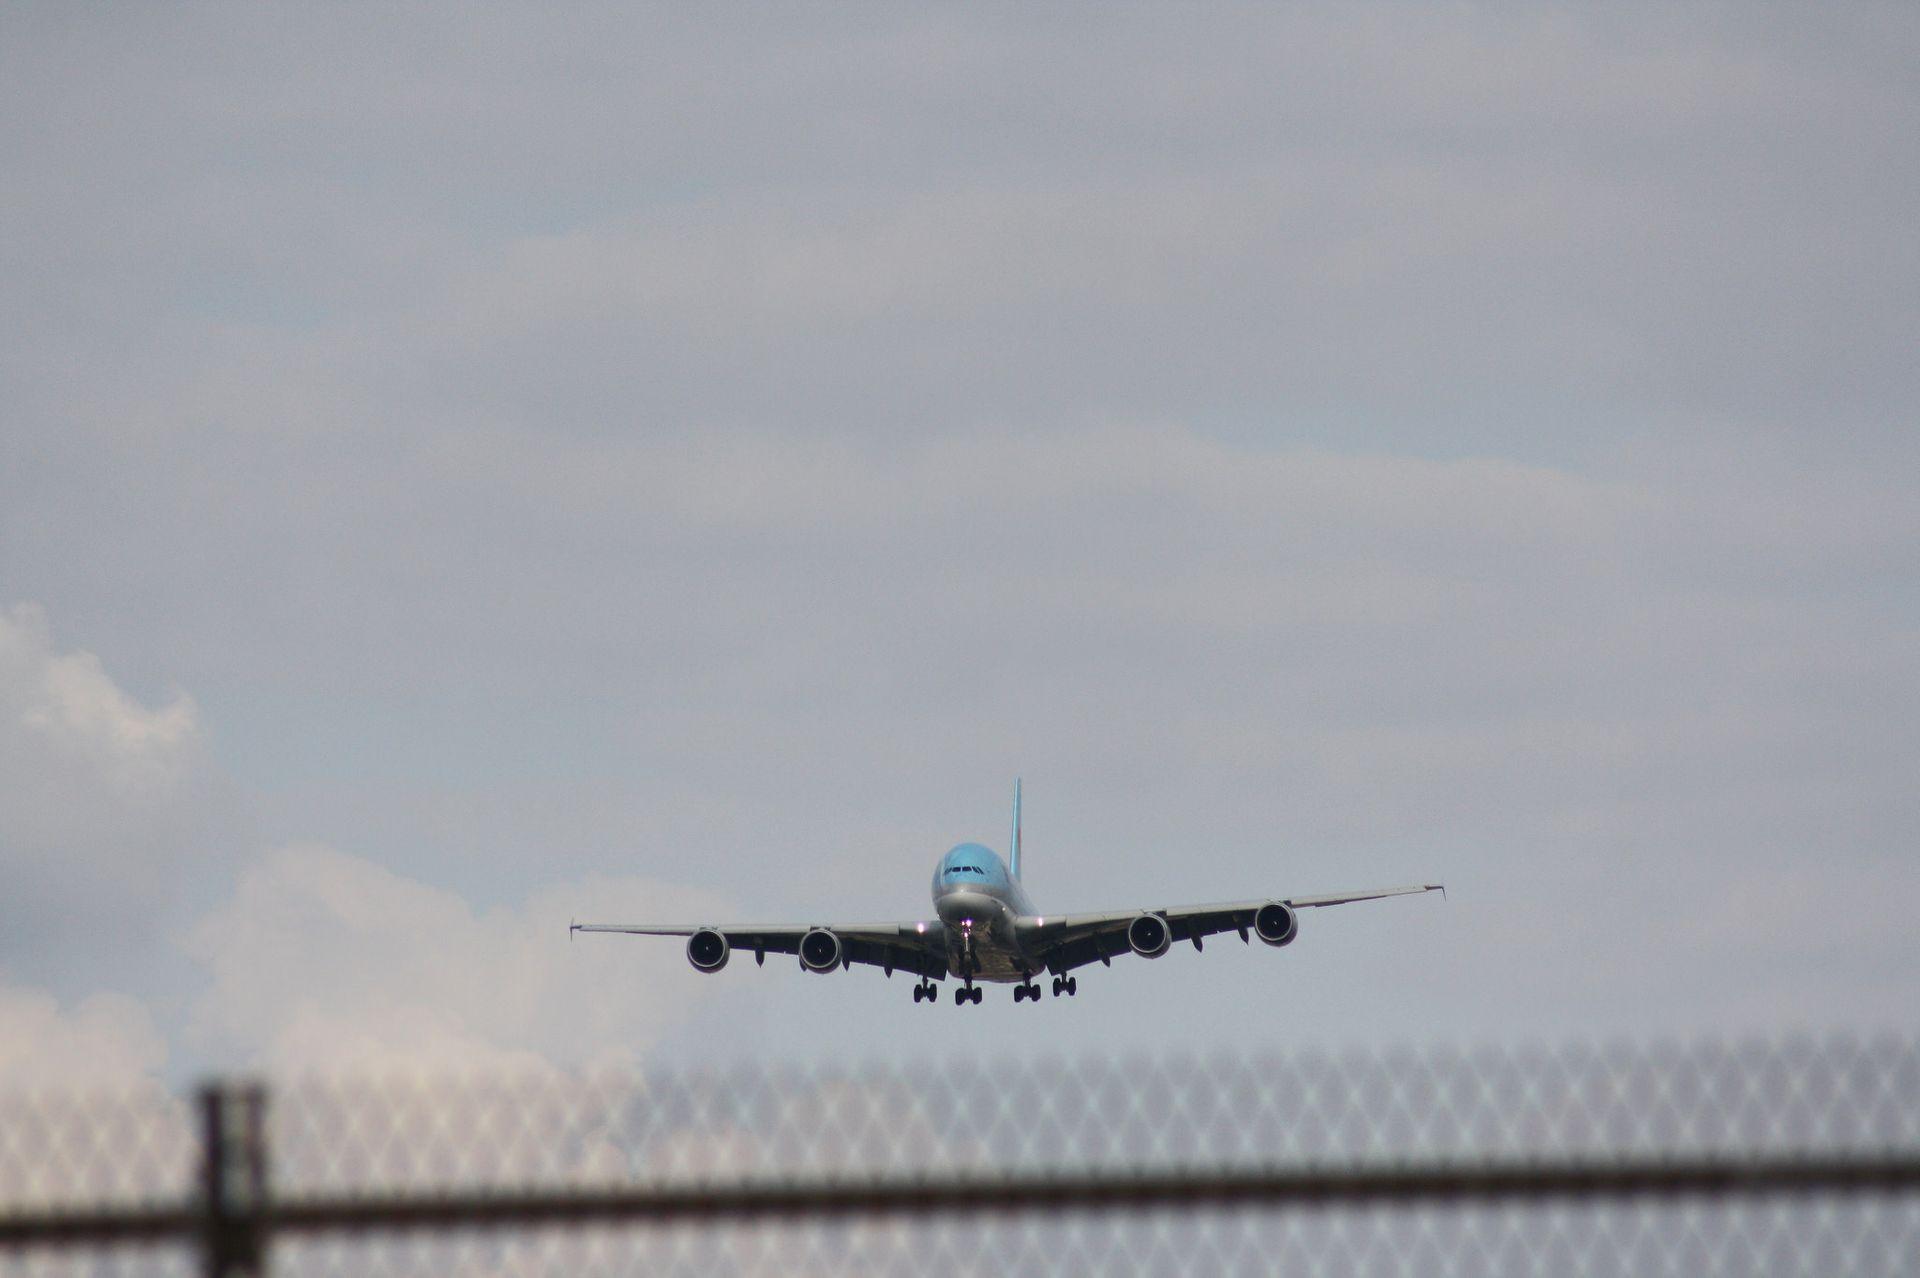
<point>1276,923</point>
<point>708,950</point>
<point>1149,935</point>
<point>820,950</point>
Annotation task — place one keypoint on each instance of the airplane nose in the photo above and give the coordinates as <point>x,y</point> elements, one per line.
<point>955,907</point>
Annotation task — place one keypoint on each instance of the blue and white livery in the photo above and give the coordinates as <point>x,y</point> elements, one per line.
<point>985,929</point>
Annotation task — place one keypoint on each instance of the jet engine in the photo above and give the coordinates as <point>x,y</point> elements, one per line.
<point>1276,923</point>
<point>1149,935</point>
<point>707,950</point>
<point>819,950</point>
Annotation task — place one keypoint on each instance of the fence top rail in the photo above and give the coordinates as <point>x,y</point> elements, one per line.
<point>1506,1180</point>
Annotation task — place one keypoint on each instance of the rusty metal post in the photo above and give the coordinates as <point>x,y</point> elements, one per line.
<point>234,1179</point>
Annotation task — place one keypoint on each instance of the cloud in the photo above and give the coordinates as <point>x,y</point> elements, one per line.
<point>1439,227</point>
<point>1468,443</point>
<point>69,703</point>
<point>105,1039</point>
<point>323,961</point>
<point>110,810</point>
<point>63,705</point>
<point>316,959</point>
<point>100,797</point>
<point>87,1114</point>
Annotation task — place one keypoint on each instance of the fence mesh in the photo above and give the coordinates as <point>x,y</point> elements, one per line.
<point>557,1134</point>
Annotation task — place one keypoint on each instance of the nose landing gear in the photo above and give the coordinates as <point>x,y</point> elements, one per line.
<point>966,994</point>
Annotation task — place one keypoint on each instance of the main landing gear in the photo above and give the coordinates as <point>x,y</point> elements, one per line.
<point>967,994</point>
<point>925,990</point>
<point>1067,985</point>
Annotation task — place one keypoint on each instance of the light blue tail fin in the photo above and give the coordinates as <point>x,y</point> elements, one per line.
<point>1013,853</point>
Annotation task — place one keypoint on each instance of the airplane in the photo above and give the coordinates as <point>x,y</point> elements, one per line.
<point>985,929</point>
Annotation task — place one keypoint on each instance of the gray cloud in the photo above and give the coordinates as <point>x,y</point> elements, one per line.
<point>1266,221</point>
<point>1315,448</point>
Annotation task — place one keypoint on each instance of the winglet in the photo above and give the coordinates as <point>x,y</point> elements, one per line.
<point>1013,851</point>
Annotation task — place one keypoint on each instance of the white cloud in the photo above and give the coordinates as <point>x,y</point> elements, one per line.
<point>99,795</point>
<point>106,1039</point>
<point>316,960</point>
<point>110,811</point>
<point>85,1115</point>
<point>64,705</point>
<point>323,961</point>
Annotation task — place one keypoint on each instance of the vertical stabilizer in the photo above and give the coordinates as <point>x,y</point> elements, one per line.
<point>1013,853</point>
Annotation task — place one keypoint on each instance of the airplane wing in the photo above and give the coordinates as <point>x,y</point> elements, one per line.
<point>920,947</point>
<point>1074,940</point>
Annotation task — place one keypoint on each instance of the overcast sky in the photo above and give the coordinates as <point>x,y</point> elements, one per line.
<point>470,469</point>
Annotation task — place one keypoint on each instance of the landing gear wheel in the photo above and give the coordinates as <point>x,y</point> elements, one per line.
<point>1019,993</point>
<point>1058,985</point>
<point>919,992</point>
<point>1073,986</point>
<point>978,994</point>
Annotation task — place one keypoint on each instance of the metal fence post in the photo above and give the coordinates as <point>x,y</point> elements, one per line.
<point>234,1179</point>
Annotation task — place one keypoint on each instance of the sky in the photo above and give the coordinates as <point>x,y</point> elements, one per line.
<point>480,467</point>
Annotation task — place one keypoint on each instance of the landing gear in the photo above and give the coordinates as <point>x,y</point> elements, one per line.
<point>1028,991</point>
<point>966,994</point>
<point>1068,985</point>
<point>925,990</point>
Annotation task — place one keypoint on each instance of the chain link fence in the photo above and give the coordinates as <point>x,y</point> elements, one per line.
<point>1790,1157</point>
